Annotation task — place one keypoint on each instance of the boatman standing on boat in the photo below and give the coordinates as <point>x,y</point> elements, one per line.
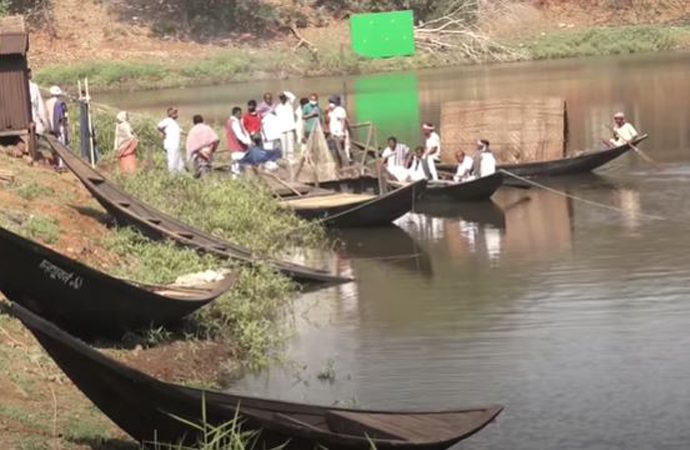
<point>623,132</point>
<point>432,148</point>
<point>465,165</point>
<point>485,161</point>
<point>395,157</point>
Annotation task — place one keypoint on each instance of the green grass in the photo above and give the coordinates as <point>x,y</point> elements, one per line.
<point>42,228</point>
<point>606,41</point>
<point>31,191</point>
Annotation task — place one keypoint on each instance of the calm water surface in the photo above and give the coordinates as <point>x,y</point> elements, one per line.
<point>577,319</point>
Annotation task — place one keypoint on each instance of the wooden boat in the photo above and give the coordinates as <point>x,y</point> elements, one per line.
<point>357,210</point>
<point>469,191</point>
<point>130,211</point>
<point>88,302</point>
<point>150,410</point>
<point>583,163</point>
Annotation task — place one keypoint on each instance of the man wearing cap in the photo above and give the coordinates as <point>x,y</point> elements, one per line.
<point>337,126</point>
<point>432,148</point>
<point>171,131</point>
<point>623,132</point>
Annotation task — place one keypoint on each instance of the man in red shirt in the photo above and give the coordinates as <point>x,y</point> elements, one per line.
<point>252,122</point>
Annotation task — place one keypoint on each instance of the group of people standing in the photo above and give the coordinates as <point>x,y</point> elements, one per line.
<point>271,130</point>
<point>405,165</point>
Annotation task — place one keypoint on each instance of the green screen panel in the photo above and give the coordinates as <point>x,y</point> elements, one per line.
<point>391,102</point>
<point>383,35</point>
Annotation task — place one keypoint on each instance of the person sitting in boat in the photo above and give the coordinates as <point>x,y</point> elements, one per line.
<point>432,148</point>
<point>623,132</point>
<point>419,169</point>
<point>465,165</point>
<point>396,157</point>
<point>485,161</point>
<point>202,142</point>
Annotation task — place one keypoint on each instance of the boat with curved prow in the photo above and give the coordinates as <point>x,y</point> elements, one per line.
<point>585,162</point>
<point>130,211</point>
<point>345,210</point>
<point>150,410</point>
<point>88,302</point>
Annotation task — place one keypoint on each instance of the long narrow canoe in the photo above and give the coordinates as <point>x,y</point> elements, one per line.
<point>469,191</point>
<point>358,210</point>
<point>129,211</point>
<point>583,163</point>
<point>153,411</point>
<point>85,301</point>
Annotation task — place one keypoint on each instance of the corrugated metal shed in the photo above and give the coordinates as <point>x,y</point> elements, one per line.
<point>15,104</point>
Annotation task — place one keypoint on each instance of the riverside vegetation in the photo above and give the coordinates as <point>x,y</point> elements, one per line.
<point>249,320</point>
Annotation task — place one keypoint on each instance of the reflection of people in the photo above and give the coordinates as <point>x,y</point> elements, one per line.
<point>623,132</point>
<point>395,157</point>
<point>464,171</point>
<point>126,144</point>
<point>432,148</point>
<point>485,161</point>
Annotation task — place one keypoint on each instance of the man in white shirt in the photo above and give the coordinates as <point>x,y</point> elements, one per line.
<point>465,165</point>
<point>285,112</point>
<point>419,170</point>
<point>485,162</point>
<point>271,131</point>
<point>623,132</point>
<point>38,107</point>
<point>396,157</point>
<point>172,133</point>
<point>432,148</point>
<point>337,125</point>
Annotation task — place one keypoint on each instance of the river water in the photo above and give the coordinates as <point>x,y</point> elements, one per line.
<point>576,318</point>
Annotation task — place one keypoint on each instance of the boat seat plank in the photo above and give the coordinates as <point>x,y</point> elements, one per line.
<point>407,427</point>
<point>328,201</point>
<point>124,204</point>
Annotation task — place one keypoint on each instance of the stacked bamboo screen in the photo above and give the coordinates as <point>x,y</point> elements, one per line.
<point>519,129</point>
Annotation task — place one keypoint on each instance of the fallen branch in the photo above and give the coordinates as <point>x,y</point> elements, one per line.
<point>302,41</point>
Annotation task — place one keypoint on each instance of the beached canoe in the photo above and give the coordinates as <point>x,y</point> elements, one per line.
<point>130,211</point>
<point>150,410</point>
<point>87,302</point>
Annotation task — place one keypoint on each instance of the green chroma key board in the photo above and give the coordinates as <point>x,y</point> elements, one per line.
<point>383,35</point>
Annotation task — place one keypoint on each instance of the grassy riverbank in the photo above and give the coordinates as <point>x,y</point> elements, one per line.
<point>241,330</point>
<point>266,63</point>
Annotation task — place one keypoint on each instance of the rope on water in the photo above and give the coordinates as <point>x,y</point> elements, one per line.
<point>576,198</point>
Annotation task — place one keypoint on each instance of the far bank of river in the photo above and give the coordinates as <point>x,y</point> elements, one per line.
<point>257,64</point>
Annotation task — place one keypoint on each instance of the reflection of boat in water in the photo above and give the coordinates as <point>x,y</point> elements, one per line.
<point>389,245</point>
<point>488,213</point>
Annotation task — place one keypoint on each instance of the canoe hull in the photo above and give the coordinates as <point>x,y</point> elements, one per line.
<point>584,163</point>
<point>84,301</point>
<point>148,409</point>
<point>130,211</point>
<point>480,189</point>
<point>380,211</point>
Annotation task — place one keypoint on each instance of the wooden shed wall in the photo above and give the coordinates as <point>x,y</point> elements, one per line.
<point>15,102</point>
<point>519,129</point>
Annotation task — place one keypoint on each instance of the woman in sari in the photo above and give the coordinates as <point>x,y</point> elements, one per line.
<point>126,144</point>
